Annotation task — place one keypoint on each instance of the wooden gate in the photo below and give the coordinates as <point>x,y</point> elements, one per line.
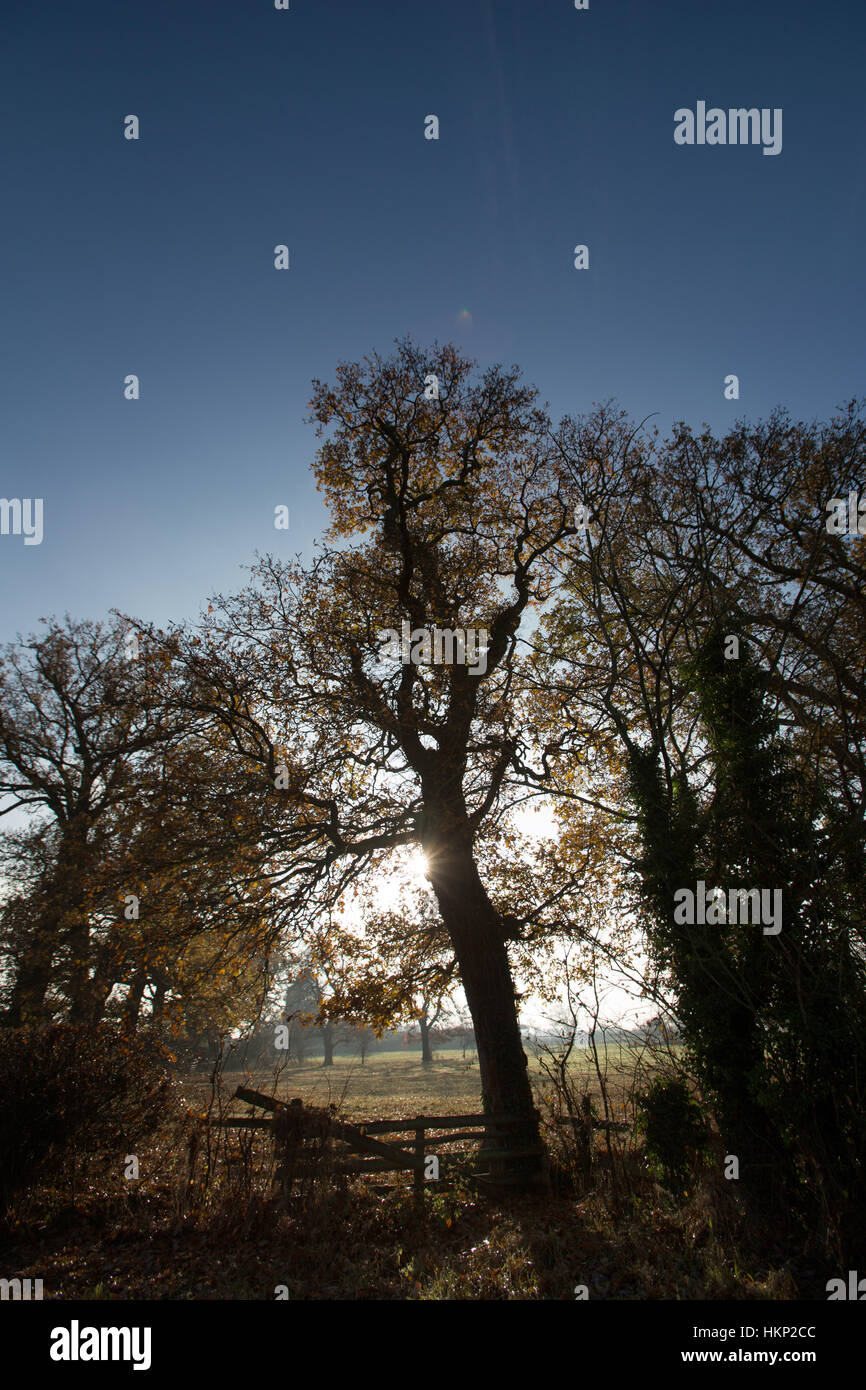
<point>304,1137</point>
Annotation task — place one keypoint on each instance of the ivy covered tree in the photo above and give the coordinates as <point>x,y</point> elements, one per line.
<point>710,632</point>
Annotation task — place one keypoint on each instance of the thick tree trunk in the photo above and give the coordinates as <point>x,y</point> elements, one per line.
<point>61,904</point>
<point>71,880</point>
<point>82,1003</point>
<point>485,972</point>
<point>101,986</point>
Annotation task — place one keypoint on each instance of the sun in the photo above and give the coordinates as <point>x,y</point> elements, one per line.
<point>408,872</point>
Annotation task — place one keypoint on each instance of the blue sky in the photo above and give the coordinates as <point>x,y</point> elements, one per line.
<point>306,127</point>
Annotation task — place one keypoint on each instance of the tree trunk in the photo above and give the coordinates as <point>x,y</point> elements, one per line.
<point>93,979</point>
<point>426,1054</point>
<point>33,972</point>
<point>328,1044</point>
<point>132,1006</point>
<point>160,989</point>
<point>485,972</point>
<point>62,903</point>
<point>78,938</point>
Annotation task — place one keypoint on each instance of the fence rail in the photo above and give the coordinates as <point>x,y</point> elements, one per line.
<point>294,1125</point>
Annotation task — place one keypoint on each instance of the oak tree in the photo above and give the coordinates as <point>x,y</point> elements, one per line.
<point>447,508</point>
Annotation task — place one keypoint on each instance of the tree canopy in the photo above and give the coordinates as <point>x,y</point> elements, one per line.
<point>659,641</point>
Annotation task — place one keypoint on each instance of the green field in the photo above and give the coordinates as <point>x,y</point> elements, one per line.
<point>389,1085</point>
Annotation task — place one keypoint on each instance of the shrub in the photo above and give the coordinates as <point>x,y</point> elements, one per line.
<point>92,1090</point>
<point>675,1131</point>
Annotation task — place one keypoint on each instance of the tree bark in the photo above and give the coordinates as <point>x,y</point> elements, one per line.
<point>80,984</point>
<point>426,1054</point>
<point>328,1044</point>
<point>485,972</point>
<point>71,880</point>
<point>60,919</point>
<point>32,977</point>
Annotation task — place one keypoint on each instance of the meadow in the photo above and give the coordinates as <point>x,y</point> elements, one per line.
<point>391,1085</point>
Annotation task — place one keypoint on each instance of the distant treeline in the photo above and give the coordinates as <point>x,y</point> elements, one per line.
<point>313,1043</point>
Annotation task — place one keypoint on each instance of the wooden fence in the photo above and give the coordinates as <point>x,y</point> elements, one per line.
<point>304,1138</point>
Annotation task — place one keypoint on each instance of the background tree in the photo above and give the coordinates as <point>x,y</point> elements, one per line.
<point>314,1004</point>
<point>122,894</point>
<point>74,728</point>
<point>300,1008</point>
<point>363,1041</point>
<point>399,967</point>
<point>429,1013</point>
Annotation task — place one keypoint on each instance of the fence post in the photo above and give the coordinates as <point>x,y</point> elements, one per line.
<point>419,1154</point>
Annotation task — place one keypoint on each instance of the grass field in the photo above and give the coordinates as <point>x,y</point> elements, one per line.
<point>386,1086</point>
<point>390,1085</point>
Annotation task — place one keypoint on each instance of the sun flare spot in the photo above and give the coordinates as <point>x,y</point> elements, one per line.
<point>406,876</point>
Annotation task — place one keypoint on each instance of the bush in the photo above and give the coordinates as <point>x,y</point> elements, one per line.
<point>675,1131</point>
<point>73,1089</point>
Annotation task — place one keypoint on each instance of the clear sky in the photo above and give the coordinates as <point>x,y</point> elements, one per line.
<point>306,127</point>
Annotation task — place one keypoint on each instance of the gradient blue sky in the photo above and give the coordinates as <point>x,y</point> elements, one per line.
<point>306,127</point>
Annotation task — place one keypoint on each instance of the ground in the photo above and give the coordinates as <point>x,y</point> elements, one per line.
<point>225,1235</point>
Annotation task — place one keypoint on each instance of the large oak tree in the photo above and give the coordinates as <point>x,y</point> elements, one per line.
<point>448,506</point>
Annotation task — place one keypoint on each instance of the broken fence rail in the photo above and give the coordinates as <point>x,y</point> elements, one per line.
<point>291,1123</point>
